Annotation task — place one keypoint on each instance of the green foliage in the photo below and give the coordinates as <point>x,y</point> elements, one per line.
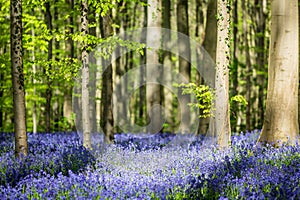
<point>204,96</point>
<point>239,99</point>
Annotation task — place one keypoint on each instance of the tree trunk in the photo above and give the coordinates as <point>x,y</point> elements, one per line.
<point>56,104</point>
<point>299,66</point>
<point>93,70</point>
<point>184,65</point>
<point>222,119</point>
<point>199,19</point>
<point>281,117</point>
<point>210,45</point>
<point>248,67</point>
<point>85,79</point>
<point>235,67</point>
<point>260,58</point>
<point>34,110</point>
<point>153,71</point>
<point>143,60</point>
<point>48,19</point>
<point>21,148</point>
<point>1,96</point>
<point>67,107</point>
<point>107,121</point>
<point>167,62</point>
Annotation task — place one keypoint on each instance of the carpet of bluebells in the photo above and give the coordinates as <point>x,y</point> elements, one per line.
<point>160,166</point>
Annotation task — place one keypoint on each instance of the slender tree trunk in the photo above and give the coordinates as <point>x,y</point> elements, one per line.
<point>210,45</point>
<point>248,67</point>
<point>2,75</point>
<point>153,74</point>
<point>48,19</point>
<point>16,53</point>
<point>199,19</point>
<point>142,91</point>
<point>281,117</point>
<point>85,79</point>
<point>34,111</point>
<point>299,64</point>
<point>56,104</point>
<point>1,96</point>
<point>67,107</point>
<point>107,83</point>
<point>93,70</point>
<point>167,62</point>
<point>260,58</point>
<point>119,115</point>
<point>222,118</point>
<point>184,65</point>
<point>235,66</point>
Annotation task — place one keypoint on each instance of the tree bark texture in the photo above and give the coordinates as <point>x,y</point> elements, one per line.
<point>281,116</point>
<point>107,121</point>
<point>86,127</point>
<point>21,148</point>
<point>184,65</point>
<point>222,118</point>
<point>153,72</point>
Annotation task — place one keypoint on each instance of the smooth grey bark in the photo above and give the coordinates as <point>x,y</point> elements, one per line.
<point>210,45</point>
<point>85,98</point>
<point>67,105</point>
<point>248,67</point>
<point>260,19</point>
<point>16,53</point>
<point>235,66</point>
<point>142,91</point>
<point>107,120</point>
<point>153,73</point>
<point>281,116</point>
<point>167,62</point>
<point>184,65</point>
<point>34,111</point>
<point>222,118</point>
<point>92,78</point>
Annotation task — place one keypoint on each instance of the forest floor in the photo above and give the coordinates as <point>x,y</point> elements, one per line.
<point>160,166</point>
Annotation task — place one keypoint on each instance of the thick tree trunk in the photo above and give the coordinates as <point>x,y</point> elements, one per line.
<point>85,98</point>
<point>184,65</point>
<point>281,117</point>
<point>48,19</point>
<point>222,118</point>
<point>107,121</point>
<point>153,72</point>
<point>21,148</point>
